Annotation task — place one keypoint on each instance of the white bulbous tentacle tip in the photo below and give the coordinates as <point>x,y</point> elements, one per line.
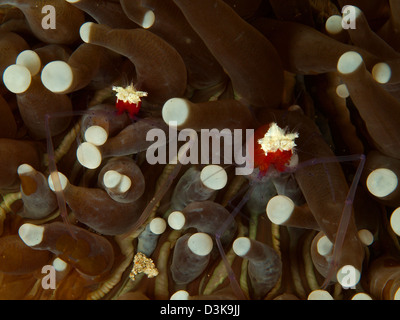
<point>89,155</point>
<point>342,91</point>
<point>25,169</point>
<point>333,24</point>
<point>366,237</point>
<point>84,31</point>
<point>31,234</point>
<point>176,220</point>
<point>112,178</point>
<point>55,185</point>
<point>158,225</point>
<point>357,10</point>
<point>17,78</point>
<point>175,111</point>
<point>31,60</point>
<point>57,76</point>
<point>214,177</point>
<point>382,182</point>
<point>59,264</point>
<point>96,135</point>
<point>148,19</point>
<point>361,296</point>
<point>324,246</point>
<point>348,276</point>
<point>349,62</point>
<point>180,295</point>
<point>319,295</point>
<point>241,246</point>
<point>116,181</point>
<point>279,209</point>
<point>125,184</point>
<point>395,221</point>
<point>381,72</point>
<point>396,295</point>
<point>200,244</point>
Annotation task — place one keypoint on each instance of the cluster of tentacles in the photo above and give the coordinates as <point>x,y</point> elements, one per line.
<point>87,86</point>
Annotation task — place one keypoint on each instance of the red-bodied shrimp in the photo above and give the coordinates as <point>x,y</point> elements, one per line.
<point>273,147</point>
<point>128,99</point>
<point>275,154</point>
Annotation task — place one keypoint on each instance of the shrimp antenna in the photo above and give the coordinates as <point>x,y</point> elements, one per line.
<point>55,177</point>
<point>53,167</point>
<point>346,216</point>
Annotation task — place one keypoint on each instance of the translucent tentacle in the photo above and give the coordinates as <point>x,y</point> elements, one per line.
<point>346,215</point>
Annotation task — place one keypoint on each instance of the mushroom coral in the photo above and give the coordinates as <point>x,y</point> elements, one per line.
<point>84,105</point>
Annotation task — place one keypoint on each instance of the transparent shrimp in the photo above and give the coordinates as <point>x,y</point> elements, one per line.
<point>345,216</point>
<point>255,178</point>
<point>113,116</point>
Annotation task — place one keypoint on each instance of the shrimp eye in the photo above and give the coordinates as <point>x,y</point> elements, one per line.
<point>273,146</point>
<point>128,99</point>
